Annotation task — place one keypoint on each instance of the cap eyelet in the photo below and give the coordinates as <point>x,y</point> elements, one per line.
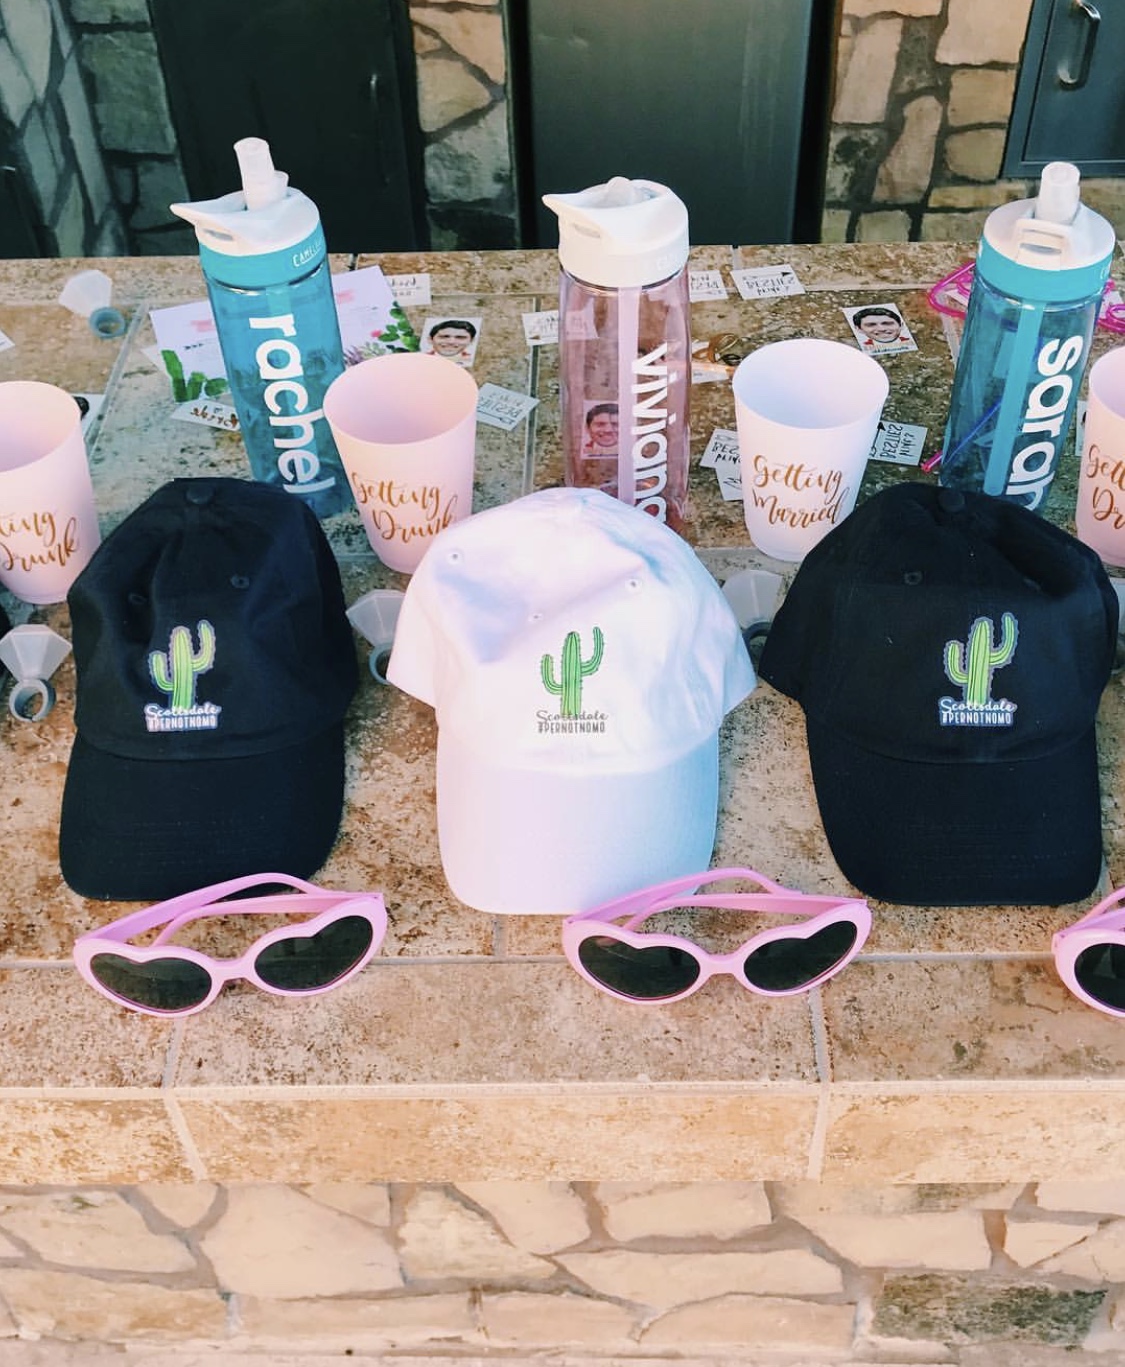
<point>136,599</point>
<point>535,617</point>
<point>454,557</point>
<point>633,585</point>
<point>912,577</point>
<point>240,581</point>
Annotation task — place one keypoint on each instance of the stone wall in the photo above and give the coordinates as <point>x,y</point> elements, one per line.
<point>924,92</point>
<point>903,1274</point>
<point>46,125</point>
<point>923,95</point>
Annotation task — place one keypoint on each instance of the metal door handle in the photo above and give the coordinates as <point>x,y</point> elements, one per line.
<point>1071,78</point>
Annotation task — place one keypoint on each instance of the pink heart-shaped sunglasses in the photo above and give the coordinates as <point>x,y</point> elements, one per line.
<point>657,968</point>
<point>344,931</point>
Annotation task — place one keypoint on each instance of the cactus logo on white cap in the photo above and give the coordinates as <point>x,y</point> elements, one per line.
<point>572,718</point>
<point>971,664</point>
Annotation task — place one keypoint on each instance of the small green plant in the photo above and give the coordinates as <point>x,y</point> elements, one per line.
<point>183,390</point>
<point>174,671</point>
<point>573,670</point>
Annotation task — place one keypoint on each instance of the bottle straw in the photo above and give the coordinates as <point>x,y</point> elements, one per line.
<point>628,329</point>
<point>1011,405</point>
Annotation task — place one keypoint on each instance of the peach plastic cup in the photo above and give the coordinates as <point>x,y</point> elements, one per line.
<point>405,428</point>
<point>807,412</point>
<point>48,518</point>
<point>1099,517</point>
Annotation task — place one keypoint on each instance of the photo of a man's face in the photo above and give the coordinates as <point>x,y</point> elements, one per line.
<point>454,338</point>
<point>601,429</point>
<point>880,328</point>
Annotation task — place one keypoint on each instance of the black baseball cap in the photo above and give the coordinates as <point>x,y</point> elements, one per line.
<point>949,650</point>
<point>214,667</point>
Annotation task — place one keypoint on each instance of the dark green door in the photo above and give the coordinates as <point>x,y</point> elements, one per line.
<point>329,84</point>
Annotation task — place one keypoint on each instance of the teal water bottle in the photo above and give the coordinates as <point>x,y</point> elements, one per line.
<point>1037,287</point>
<point>265,262</point>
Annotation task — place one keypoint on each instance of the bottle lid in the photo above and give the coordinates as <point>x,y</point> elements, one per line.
<point>261,233</point>
<point>1052,247</point>
<point>623,234</point>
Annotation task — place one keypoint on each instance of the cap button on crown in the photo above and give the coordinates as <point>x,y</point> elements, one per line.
<point>951,500</point>
<point>199,494</point>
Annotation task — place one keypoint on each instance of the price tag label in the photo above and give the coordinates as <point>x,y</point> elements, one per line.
<point>767,282</point>
<point>542,328</point>
<point>411,289</point>
<point>706,285</point>
<point>208,413</point>
<point>503,408</point>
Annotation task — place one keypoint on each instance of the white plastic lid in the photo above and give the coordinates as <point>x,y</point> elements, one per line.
<point>1055,230</point>
<point>266,215</point>
<point>623,234</point>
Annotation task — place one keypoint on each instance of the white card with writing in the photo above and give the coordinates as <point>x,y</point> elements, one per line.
<point>5,342</point>
<point>503,408</point>
<point>899,443</point>
<point>411,289</point>
<point>767,282</point>
<point>541,328</point>
<point>722,456</point>
<point>723,445</point>
<point>209,413</point>
<point>706,285</point>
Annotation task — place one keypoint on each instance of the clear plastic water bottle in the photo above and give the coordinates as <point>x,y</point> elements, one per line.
<point>1037,287</point>
<point>265,262</point>
<point>625,343</point>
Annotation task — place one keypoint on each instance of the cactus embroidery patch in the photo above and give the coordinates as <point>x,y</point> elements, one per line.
<point>566,685</point>
<point>971,664</point>
<point>175,671</point>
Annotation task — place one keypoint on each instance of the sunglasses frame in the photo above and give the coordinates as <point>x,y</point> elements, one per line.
<point>1103,924</point>
<point>178,911</point>
<point>681,892</point>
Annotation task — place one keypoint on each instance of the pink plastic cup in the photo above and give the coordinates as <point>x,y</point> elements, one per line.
<point>48,518</point>
<point>405,427</point>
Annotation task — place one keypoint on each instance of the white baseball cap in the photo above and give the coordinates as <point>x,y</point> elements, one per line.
<point>580,660</point>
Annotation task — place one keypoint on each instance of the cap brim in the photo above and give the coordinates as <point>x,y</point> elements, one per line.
<point>1026,833</point>
<point>539,842</point>
<point>143,830</point>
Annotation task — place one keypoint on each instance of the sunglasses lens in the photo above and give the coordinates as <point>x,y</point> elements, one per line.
<point>170,984</point>
<point>782,965</point>
<point>1100,971</point>
<point>649,974</point>
<point>306,963</point>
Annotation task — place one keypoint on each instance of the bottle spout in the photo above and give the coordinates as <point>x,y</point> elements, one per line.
<point>1058,199</point>
<point>261,184</point>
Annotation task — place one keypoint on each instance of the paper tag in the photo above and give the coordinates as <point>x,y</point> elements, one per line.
<point>899,443</point>
<point>541,328</point>
<point>767,282</point>
<point>503,408</point>
<point>706,285</point>
<point>722,456</point>
<point>1080,409</point>
<point>5,342</point>
<point>723,446</point>
<point>208,414</point>
<point>410,289</point>
<point>89,405</point>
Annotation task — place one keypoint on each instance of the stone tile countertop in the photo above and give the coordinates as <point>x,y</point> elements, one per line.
<point>949,1051</point>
